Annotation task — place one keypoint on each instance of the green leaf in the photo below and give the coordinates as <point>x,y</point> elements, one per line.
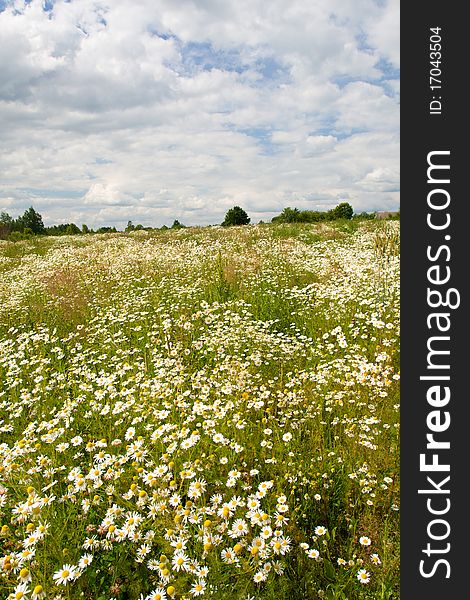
<point>330,572</point>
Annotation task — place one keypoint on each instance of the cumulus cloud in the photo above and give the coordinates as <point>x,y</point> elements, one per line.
<point>157,110</point>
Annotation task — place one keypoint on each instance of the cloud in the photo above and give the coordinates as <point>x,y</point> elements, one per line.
<point>162,110</point>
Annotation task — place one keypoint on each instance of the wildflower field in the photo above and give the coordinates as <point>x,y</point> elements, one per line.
<point>209,412</point>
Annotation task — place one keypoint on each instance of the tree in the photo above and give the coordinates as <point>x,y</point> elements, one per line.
<point>343,211</point>
<point>6,225</point>
<point>288,215</point>
<point>236,216</point>
<point>177,225</point>
<point>106,229</point>
<point>31,220</point>
<point>6,220</point>
<point>72,229</point>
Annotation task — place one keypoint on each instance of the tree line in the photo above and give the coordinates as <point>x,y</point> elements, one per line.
<point>31,223</point>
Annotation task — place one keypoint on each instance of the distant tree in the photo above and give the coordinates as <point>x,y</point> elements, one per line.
<point>106,230</point>
<point>343,211</point>
<point>131,227</point>
<point>364,216</point>
<point>177,225</point>
<point>288,215</point>
<point>85,228</point>
<point>6,225</point>
<point>72,229</point>
<point>294,215</point>
<point>31,220</point>
<point>5,219</point>
<point>236,216</point>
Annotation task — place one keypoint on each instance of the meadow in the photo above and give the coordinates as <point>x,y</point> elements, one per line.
<point>208,412</point>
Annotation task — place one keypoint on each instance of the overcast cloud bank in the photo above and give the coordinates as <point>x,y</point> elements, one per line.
<point>158,110</point>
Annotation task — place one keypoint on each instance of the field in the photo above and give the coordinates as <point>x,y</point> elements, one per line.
<point>209,412</point>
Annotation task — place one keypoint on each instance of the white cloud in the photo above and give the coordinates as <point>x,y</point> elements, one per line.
<point>158,110</point>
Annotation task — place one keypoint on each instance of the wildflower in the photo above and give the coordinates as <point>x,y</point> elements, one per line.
<point>365,541</point>
<point>24,575</point>
<point>320,530</point>
<point>375,559</point>
<point>259,576</point>
<point>180,561</point>
<point>85,561</point>
<point>239,528</point>
<point>38,593</point>
<point>64,575</point>
<point>266,532</point>
<point>229,555</point>
<point>179,543</point>
<point>142,552</point>
<point>313,553</point>
<point>363,576</point>
<point>198,588</point>
<point>196,488</point>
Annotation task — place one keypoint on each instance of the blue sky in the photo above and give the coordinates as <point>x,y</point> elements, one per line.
<point>157,110</point>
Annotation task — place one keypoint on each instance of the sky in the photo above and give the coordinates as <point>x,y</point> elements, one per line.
<point>155,110</point>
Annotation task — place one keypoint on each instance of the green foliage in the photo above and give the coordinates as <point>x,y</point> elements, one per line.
<point>62,229</point>
<point>106,230</point>
<point>6,225</point>
<point>364,216</point>
<point>342,211</point>
<point>294,215</point>
<point>289,215</point>
<point>31,220</point>
<point>131,227</point>
<point>236,216</point>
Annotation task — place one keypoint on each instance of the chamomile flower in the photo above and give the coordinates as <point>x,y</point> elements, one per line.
<point>21,592</point>
<point>157,594</point>
<point>38,593</point>
<point>375,559</point>
<point>65,575</point>
<point>363,576</point>
<point>85,561</point>
<point>198,588</point>
<point>259,576</point>
<point>180,561</point>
